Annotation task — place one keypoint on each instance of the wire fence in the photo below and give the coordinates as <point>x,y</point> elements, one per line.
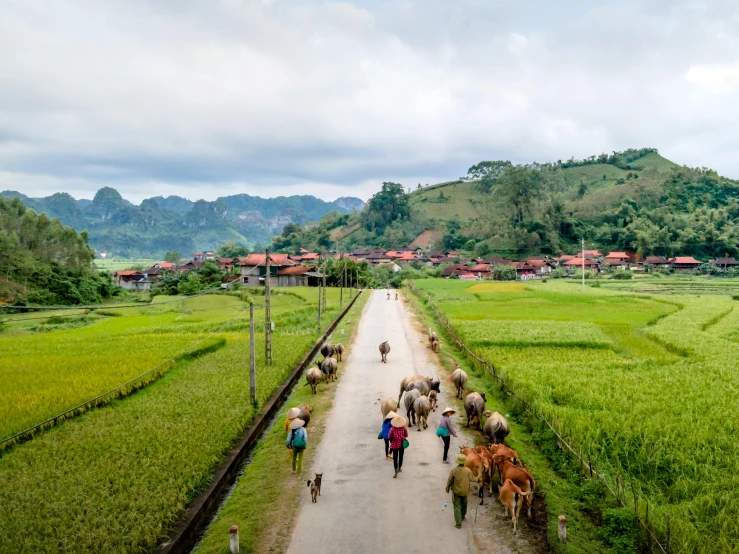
<point>617,486</point>
<point>123,389</point>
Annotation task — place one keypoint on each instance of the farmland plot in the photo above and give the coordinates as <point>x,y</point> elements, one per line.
<point>660,404</point>
<point>117,478</point>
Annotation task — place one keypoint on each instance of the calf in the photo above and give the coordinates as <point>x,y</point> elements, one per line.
<point>422,407</point>
<point>409,398</point>
<point>476,464</point>
<point>511,497</point>
<point>520,476</point>
<point>434,399</point>
<point>339,350</point>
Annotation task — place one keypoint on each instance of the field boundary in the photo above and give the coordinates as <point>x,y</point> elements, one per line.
<point>559,429</point>
<point>119,391</point>
<point>198,514</point>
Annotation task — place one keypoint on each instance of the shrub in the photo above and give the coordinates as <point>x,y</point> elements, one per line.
<point>503,273</point>
<point>620,530</point>
<point>558,273</point>
<point>622,275</point>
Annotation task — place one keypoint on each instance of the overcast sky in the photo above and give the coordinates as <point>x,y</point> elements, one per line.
<point>271,97</point>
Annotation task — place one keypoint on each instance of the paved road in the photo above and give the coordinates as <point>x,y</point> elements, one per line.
<point>362,508</point>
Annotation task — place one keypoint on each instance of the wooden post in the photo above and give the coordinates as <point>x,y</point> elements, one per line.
<point>324,285</point>
<point>319,306</point>
<point>252,362</point>
<point>667,534</point>
<point>267,314</point>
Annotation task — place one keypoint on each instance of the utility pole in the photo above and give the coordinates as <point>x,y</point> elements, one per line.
<point>267,313</point>
<point>319,306</point>
<point>583,265</point>
<point>325,262</point>
<point>252,363</point>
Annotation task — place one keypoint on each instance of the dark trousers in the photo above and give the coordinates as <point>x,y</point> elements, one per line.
<point>387,447</point>
<point>397,458</point>
<point>446,440</point>
<point>460,508</point>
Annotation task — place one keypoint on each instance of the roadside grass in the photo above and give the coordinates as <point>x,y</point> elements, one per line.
<point>562,485</point>
<point>660,407</point>
<point>118,478</point>
<point>267,496</point>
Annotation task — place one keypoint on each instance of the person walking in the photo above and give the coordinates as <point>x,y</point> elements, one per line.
<point>385,433</point>
<point>445,429</point>
<point>398,434</point>
<point>459,484</point>
<point>291,414</point>
<point>297,440</point>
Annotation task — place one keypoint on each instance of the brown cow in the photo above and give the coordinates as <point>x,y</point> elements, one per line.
<point>487,457</point>
<point>476,464</point>
<point>506,452</point>
<point>520,476</point>
<point>511,496</point>
<point>339,350</point>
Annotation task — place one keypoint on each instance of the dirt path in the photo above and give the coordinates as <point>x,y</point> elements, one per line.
<point>362,508</point>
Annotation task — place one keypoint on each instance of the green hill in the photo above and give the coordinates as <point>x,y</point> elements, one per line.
<point>633,200</point>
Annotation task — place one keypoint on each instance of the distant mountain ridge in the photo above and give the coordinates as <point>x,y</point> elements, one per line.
<point>159,224</point>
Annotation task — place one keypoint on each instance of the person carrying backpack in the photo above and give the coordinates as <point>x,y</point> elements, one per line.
<point>385,433</point>
<point>297,440</point>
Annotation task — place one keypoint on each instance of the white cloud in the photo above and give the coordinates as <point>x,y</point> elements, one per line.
<point>332,98</point>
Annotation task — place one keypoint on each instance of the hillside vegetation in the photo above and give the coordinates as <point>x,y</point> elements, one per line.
<point>633,200</point>
<point>44,262</point>
<point>174,223</point>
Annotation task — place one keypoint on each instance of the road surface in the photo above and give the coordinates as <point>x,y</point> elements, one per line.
<point>362,509</point>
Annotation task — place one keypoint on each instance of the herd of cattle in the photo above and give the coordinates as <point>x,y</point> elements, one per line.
<point>516,483</point>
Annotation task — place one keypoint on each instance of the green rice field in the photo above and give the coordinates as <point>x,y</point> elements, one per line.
<point>649,380</point>
<point>117,478</point>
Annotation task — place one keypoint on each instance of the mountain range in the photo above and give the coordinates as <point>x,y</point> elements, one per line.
<point>159,224</point>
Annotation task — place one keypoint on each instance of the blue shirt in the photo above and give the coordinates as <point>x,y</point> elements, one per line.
<point>298,432</point>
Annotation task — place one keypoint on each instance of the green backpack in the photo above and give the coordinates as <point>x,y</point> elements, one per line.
<point>297,442</point>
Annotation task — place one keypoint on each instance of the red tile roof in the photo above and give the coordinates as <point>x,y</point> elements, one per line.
<point>685,260</point>
<point>466,276</point>
<point>294,270</point>
<point>563,258</point>
<point>166,265</point>
<point>592,253</point>
<point>127,272</point>
<point>617,255</point>
<point>578,262</point>
<point>481,268</point>
<point>260,259</point>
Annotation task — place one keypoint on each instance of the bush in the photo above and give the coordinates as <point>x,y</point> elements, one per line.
<point>503,273</point>
<point>558,273</point>
<point>589,274</point>
<point>620,530</point>
<point>622,274</point>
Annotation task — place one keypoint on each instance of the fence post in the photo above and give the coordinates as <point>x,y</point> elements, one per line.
<point>252,362</point>
<point>234,542</point>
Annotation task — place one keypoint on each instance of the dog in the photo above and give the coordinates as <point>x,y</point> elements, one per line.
<point>315,487</point>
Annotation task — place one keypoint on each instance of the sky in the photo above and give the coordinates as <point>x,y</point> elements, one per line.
<point>269,97</point>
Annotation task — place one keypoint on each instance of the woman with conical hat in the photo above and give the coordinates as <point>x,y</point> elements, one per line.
<point>398,434</point>
<point>446,429</point>
<point>385,432</point>
<point>297,440</point>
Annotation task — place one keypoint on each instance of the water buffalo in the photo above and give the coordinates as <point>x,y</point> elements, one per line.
<point>305,412</point>
<point>459,378</point>
<point>420,383</point>
<point>436,345</point>
<point>434,399</point>
<point>313,376</point>
<point>328,350</point>
<point>384,351</point>
<point>339,348</point>
<point>496,428</point>
<point>474,406</point>
<point>432,336</point>
<point>409,399</point>
<point>421,408</point>
<point>388,405</point>
<point>329,367</point>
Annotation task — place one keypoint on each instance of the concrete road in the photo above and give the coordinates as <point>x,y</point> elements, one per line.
<point>362,508</point>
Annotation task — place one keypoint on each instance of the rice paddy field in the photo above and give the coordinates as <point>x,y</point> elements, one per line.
<point>649,380</point>
<point>118,477</point>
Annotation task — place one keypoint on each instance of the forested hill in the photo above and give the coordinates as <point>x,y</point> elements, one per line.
<point>44,262</point>
<point>161,224</point>
<point>633,200</point>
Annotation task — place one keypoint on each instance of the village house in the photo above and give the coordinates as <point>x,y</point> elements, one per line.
<point>724,263</point>
<point>203,256</point>
<point>131,279</point>
<point>685,263</point>
<point>455,269</point>
<point>617,260</point>
<point>523,269</point>
<point>577,263</point>
<point>254,268</point>
<point>656,261</point>
<point>297,276</point>
<point>542,267</point>
<point>481,271</point>
<point>496,261</point>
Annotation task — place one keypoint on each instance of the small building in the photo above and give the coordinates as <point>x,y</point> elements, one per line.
<point>523,268</point>
<point>656,261</point>
<point>592,254</point>
<point>377,257</point>
<point>254,268</point>
<point>542,267</point>
<point>685,263</point>
<point>467,276</point>
<point>481,270</point>
<point>189,266</point>
<point>563,258</point>
<point>617,260</point>
<point>454,269</point>
<point>131,279</point>
<point>577,263</point>
<point>724,263</point>
<point>202,256</point>
<point>297,276</point>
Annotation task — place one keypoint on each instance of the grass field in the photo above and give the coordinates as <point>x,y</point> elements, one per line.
<point>658,403</point>
<point>116,264</point>
<point>117,478</point>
